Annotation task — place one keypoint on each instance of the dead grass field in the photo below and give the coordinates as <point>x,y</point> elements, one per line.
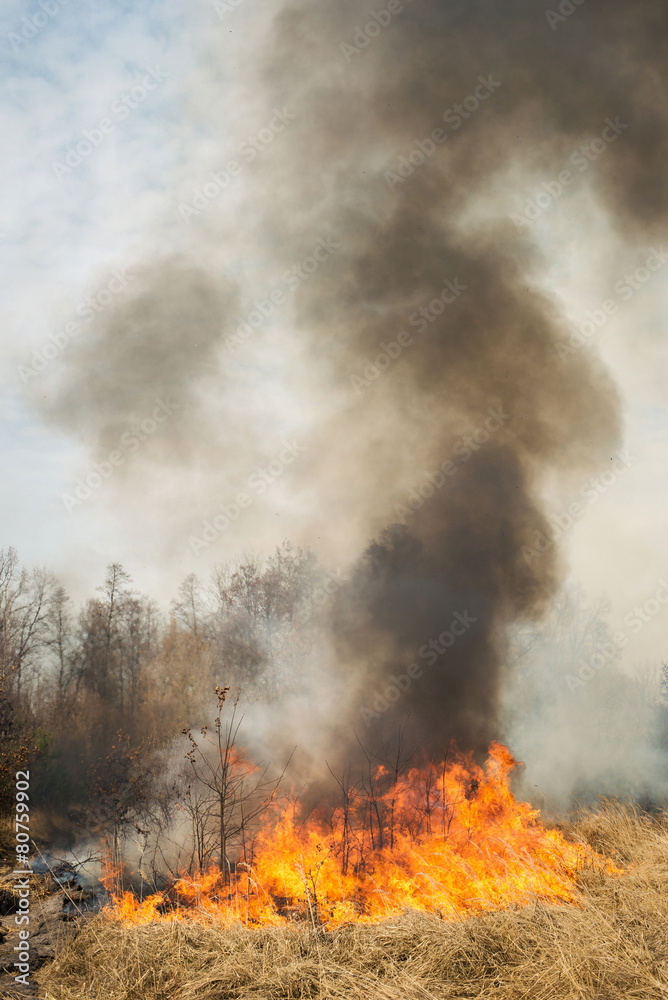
<point>613,945</point>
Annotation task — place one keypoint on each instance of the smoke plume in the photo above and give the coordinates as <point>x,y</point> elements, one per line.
<point>416,215</point>
<point>426,342</point>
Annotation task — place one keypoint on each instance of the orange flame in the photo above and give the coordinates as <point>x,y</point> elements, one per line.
<point>111,872</point>
<point>448,840</point>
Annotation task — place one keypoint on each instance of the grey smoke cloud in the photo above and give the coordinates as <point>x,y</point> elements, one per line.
<point>159,339</point>
<point>379,110</point>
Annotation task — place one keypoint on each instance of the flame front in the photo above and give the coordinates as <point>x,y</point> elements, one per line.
<point>442,839</point>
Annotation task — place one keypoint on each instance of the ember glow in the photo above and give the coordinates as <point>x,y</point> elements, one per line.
<point>452,840</point>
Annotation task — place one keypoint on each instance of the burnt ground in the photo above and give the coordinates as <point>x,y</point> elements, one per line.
<point>54,919</point>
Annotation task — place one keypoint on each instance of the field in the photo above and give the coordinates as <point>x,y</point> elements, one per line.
<point>612,944</point>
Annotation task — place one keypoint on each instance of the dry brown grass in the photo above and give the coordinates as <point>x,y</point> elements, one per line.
<point>612,946</point>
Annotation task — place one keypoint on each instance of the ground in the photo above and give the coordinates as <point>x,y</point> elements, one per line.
<point>613,944</point>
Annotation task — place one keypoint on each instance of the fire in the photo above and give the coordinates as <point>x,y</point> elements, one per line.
<point>445,839</point>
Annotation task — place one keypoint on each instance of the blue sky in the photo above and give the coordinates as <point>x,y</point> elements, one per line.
<point>64,233</point>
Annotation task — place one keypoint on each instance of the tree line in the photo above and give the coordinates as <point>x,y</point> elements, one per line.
<point>90,696</point>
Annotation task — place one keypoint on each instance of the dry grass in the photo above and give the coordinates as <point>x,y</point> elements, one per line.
<point>614,945</point>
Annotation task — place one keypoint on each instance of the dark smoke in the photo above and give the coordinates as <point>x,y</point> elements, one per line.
<point>496,345</point>
<point>438,595</point>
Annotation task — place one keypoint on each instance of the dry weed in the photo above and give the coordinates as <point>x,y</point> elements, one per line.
<point>613,945</point>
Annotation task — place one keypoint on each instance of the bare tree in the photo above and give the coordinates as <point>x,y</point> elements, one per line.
<point>117,638</point>
<point>61,645</point>
<point>258,609</point>
<point>232,790</point>
<point>26,600</point>
<point>191,611</point>
<point>121,791</point>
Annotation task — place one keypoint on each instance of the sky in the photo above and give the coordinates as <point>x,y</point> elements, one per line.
<point>156,100</point>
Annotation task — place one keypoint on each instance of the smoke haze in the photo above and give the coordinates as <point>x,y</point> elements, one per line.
<point>427,313</point>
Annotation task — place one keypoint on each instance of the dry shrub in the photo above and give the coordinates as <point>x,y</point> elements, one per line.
<point>613,945</point>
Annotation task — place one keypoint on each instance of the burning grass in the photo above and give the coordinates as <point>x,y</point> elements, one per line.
<point>446,839</point>
<point>612,942</point>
